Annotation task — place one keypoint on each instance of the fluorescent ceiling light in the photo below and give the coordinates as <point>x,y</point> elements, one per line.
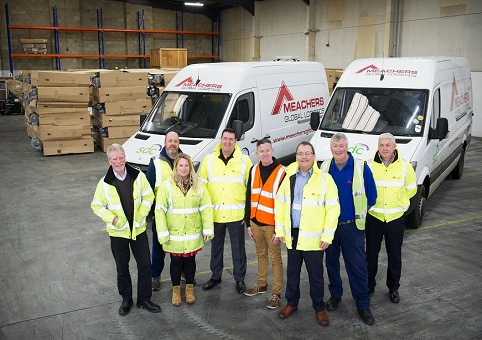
<point>193,4</point>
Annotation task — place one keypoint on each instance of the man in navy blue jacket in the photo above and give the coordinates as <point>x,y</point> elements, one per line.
<point>357,192</point>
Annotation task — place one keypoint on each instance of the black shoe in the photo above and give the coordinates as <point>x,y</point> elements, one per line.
<point>240,287</point>
<point>366,316</point>
<point>371,291</point>
<point>211,284</point>
<point>125,307</point>
<point>394,296</point>
<point>332,303</point>
<point>149,306</point>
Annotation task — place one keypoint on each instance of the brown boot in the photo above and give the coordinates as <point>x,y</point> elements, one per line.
<point>176,296</point>
<point>190,299</point>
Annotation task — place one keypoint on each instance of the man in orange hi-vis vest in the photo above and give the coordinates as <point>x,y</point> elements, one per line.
<point>264,180</point>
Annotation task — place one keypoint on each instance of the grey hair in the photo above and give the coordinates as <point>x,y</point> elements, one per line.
<point>337,137</point>
<point>387,135</point>
<point>115,147</point>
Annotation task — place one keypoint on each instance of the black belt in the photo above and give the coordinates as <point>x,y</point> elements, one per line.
<point>346,222</point>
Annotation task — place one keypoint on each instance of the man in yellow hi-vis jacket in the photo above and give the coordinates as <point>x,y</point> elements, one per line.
<point>306,217</point>
<point>123,199</point>
<point>396,184</point>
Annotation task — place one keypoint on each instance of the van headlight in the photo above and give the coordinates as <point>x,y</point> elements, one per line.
<point>414,165</point>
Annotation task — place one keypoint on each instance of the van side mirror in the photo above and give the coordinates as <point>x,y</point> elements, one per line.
<point>142,119</point>
<point>442,129</point>
<point>238,129</point>
<point>315,120</point>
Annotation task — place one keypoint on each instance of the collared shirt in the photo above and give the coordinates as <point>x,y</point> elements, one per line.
<point>300,183</point>
<point>119,177</point>
<point>344,181</point>
<point>391,160</point>
<point>225,160</point>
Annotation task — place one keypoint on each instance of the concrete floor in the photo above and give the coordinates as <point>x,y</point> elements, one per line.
<point>58,281</point>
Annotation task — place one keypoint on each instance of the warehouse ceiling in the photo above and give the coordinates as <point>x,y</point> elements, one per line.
<point>210,8</point>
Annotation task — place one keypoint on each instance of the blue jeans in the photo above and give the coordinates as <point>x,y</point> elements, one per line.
<point>157,256</point>
<point>351,241</point>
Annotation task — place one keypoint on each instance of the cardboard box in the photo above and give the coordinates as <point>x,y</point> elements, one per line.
<point>338,74</point>
<point>128,107</point>
<point>59,78</point>
<point>105,142</point>
<point>122,131</point>
<point>104,121</point>
<point>63,94</point>
<point>51,132</point>
<point>57,107</point>
<point>119,79</point>
<point>65,118</point>
<point>114,94</point>
<point>330,74</point>
<point>34,41</point>
<point>66,146</point>
<point>169,57</point>
<point>15,87</point>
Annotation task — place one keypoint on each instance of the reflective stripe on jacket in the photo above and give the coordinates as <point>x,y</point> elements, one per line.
<point>183,220</point>
<point>226,184</point>
<point>358,191</point>
<point>163,171</point>
<point>262,195</point>
<point>319,210</point>
<point>107,204</point>
<point>396,184</point>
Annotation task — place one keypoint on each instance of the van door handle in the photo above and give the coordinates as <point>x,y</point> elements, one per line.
<point>254,140</point>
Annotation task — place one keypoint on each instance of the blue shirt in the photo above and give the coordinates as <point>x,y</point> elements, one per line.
<point>344,182</point>
<point>300,183</point>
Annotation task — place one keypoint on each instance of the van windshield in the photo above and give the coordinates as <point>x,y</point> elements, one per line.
<point>376,110</point>
<point>190,114</point>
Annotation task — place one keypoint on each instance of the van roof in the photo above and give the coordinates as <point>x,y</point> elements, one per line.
<point>228,76</point>
<point>404,72</point>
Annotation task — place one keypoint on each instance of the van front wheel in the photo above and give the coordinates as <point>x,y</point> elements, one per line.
<point>415,218</point>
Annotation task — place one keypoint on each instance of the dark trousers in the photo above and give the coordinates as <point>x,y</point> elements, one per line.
<point>179,265</point>
<point>393,232</point>
<point>157,258</point>
<point>238,251</point>
<point>351,241</point>
<point>314,266</point>
<point>122,255</point>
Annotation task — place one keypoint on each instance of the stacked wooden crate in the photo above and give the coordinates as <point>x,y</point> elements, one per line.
<point>57,109</point>
<point>118,100</point>
<point>168,57</point>
<point>34,46</point>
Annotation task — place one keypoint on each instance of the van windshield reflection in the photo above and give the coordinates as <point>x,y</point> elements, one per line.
<point>190,114</point>
<point>376,110</point>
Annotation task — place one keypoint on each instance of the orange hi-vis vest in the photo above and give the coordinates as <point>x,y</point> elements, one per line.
<point>262,195</point>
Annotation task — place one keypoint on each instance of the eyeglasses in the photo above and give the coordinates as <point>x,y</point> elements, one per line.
<point>307,154</point>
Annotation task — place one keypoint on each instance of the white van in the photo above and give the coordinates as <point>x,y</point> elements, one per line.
<point>426,103</point>
<point>259,99</point>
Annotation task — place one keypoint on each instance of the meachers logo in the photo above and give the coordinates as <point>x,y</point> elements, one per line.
<point>286,103</point>
<point>189,84</point>
<point>458,100</point>
<point>372,70</point>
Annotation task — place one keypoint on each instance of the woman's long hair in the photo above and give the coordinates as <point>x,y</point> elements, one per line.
<point>193,177</point>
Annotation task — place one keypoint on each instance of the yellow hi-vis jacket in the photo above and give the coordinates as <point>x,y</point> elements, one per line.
<point>107,204</point>
<point>183,220</point>
<point>319,211</point>
<point>396,184</point>
<point>358,191</point>
<point>226,184</point>
<point>163,171</point>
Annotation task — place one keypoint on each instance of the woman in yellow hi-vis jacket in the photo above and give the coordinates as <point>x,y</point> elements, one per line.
<point>184,221</point>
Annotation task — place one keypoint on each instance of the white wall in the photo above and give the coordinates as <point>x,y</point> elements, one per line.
<point>477,90</point>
